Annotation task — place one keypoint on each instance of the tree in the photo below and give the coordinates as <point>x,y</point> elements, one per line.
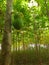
<point>6,42</point>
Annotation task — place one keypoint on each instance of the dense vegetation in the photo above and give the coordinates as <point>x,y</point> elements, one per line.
<point>24,32</point>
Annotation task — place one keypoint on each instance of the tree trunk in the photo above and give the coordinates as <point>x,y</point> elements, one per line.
<point>6,42</point>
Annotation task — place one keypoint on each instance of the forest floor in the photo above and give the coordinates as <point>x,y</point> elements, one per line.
<point>29,57</point>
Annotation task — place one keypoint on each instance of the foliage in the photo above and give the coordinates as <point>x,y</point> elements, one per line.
<point>18,21</point>
<point>30,25</point>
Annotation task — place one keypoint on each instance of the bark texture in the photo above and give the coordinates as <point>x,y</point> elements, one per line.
<point>6,42</point>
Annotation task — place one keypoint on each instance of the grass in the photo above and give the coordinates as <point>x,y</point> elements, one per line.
<point>29,57</point>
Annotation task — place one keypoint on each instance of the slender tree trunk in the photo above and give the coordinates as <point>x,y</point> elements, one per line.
<point>6,42</point>
<point>18,41</point>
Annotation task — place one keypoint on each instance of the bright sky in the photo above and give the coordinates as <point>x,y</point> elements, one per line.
<point>0,46</point>
<point>32,3</point>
